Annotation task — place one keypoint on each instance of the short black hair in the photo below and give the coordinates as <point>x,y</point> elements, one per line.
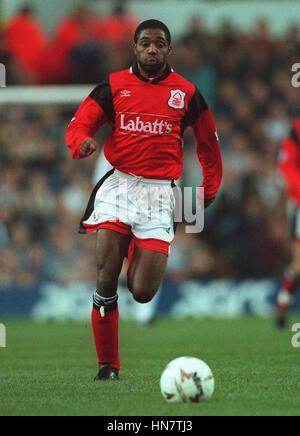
<point>152,24</point>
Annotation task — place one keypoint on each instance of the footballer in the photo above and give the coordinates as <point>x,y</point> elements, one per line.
<point>289,167</point>
<point>131,209</point>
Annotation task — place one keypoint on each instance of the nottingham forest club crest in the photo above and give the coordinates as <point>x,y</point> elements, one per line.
<point>176,100</point>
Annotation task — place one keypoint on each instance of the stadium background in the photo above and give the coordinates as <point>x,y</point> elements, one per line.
<point>240,58</point>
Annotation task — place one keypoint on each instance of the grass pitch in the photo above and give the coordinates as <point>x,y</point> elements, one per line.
<point>48,369</point>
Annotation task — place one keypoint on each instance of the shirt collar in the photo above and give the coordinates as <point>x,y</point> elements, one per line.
<point>135,70</point>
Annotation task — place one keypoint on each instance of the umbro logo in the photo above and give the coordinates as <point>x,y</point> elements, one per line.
<point>125,93</point>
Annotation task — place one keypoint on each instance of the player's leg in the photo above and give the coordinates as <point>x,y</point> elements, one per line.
<point>113,236</point>
<point>291,277</point>
<point>290,283</point>
<point>145,314</point>
<point>111,248</point>
<point>145,273</point>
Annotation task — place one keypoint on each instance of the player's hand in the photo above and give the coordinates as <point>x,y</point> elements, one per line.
<point>208,201</point>
<point>202,202</point>
<point>88,146</point>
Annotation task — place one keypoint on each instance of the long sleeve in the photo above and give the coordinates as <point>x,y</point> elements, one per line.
<point>208,149</point>
<point>289,165</point>
<point>95,111</point>
<point>289,162</point>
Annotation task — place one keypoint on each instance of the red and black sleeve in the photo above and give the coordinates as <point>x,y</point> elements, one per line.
<point>289,158</point>
<point>200,118</point>
<point>96,110</point>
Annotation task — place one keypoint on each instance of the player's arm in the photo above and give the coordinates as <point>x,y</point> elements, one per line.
<point>289,160</point>
<point>208,148</point>
<point>92,114</point>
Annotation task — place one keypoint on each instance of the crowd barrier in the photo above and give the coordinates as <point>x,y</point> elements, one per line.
<point>189,299</point>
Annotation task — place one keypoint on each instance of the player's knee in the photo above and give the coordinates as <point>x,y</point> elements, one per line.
<point>143,295</point>
<point>296,262</point>
<point>296,269</point>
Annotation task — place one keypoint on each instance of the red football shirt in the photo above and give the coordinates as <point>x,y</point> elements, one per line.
<point>289,162</point>
<point>148,119</point>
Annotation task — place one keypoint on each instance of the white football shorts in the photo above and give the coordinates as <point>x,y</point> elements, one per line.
<point>145,206</point>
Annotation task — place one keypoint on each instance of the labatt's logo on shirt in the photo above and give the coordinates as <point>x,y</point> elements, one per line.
<point>158,127</point>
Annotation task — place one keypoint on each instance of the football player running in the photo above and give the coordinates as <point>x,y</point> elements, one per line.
<point>289,166</point>
<point>149,106</point>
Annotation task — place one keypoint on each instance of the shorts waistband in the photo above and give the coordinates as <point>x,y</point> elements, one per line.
<point>142,179</point>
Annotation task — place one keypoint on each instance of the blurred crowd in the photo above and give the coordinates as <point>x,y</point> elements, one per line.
<point>245,78</point>
<point>83,48</point>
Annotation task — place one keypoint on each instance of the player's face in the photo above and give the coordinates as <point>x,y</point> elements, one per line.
<point>152,50</point>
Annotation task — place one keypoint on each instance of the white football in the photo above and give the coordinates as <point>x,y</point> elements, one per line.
<point>187,379</point>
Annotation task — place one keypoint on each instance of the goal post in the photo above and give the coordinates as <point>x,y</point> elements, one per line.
<point>58,94</point>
